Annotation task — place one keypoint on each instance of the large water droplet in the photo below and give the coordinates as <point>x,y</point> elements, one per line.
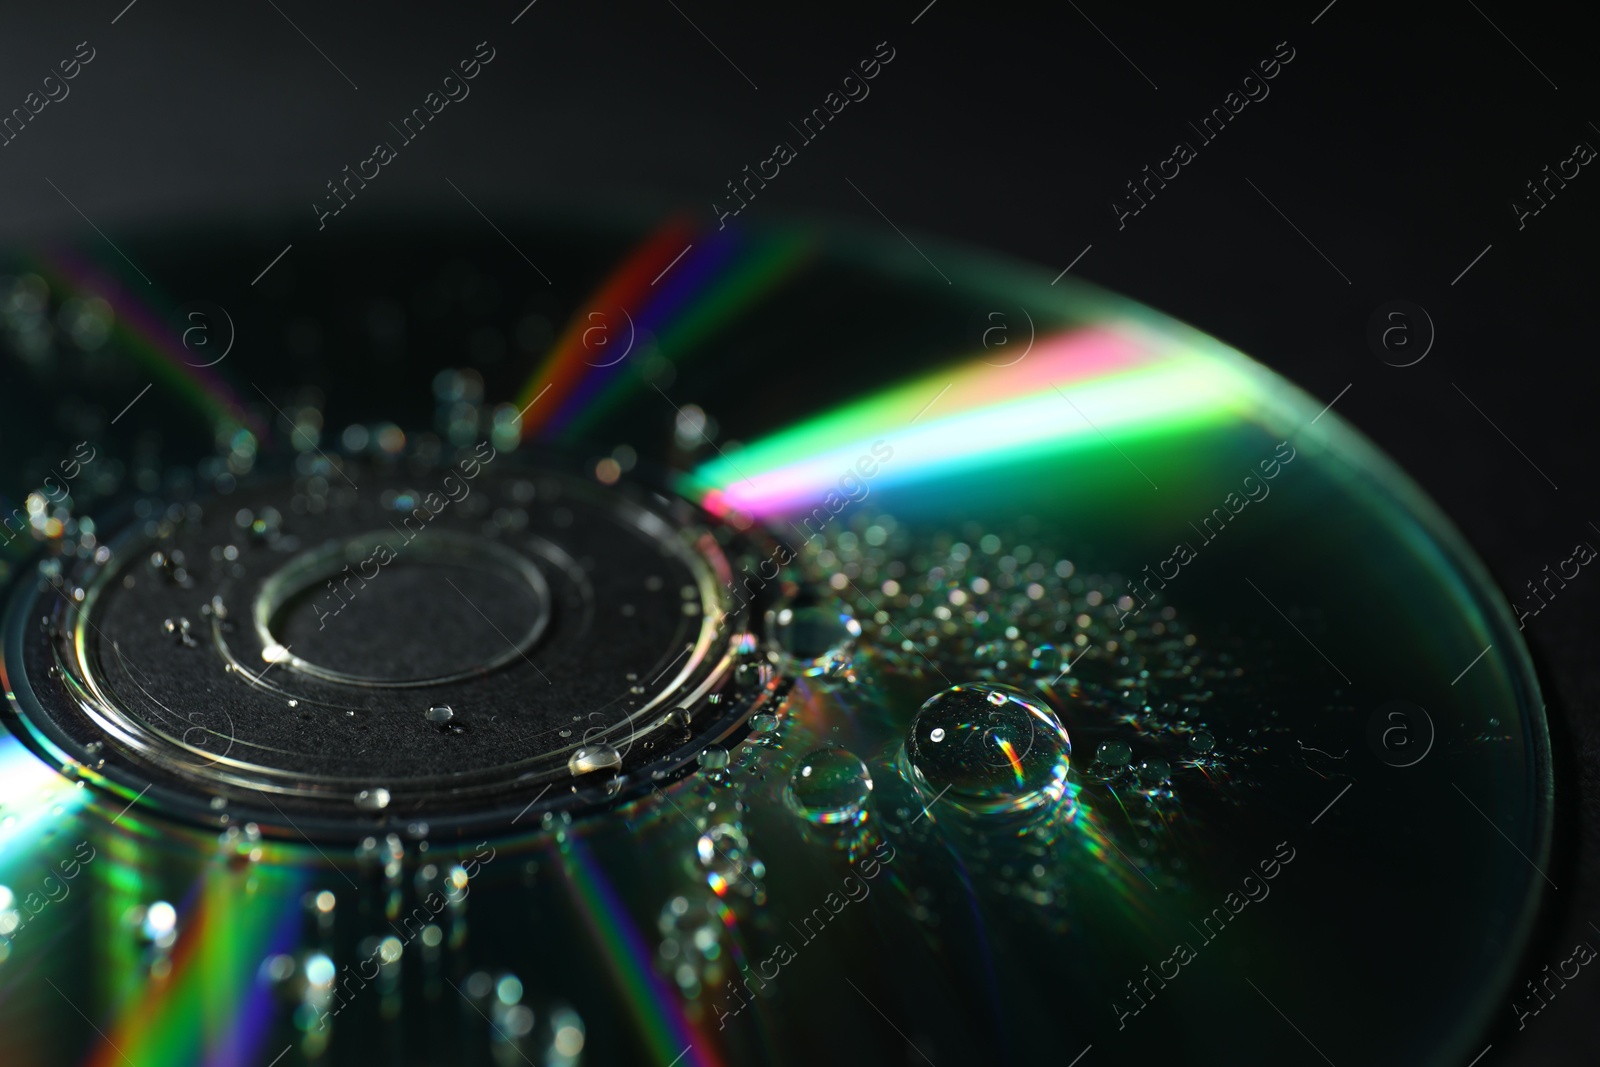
<point>815,640</point>
<point>1202,742</point>
<point>997,749</point>
<point>587,759</point>
<point>829,786</point>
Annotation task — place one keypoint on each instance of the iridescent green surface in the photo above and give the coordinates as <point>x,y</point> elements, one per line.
<point>1206,581</point>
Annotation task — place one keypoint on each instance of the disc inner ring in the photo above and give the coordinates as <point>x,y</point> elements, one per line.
<point>353,564</point>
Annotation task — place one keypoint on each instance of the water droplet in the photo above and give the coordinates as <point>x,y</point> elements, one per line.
<point>829,786</point>
<point>1202,742</point>
<point>724,852</point>
<point>936,734</point>
<point>1114,753</point>
<point>713,759</point>
<point>566,1035</point>
<point>1046,659</point>
<point>1002,750</point>
<point>1154,772</point>
<point>94,746</point>
<point>587,759</point>
<point>372,799</point>
<point>440,714</point>
<point>763,724</point>
<point>278,969</point>
<point>179,630</point>
<point>319,970</point>
<point>160,923</point>
<point>815,640</point>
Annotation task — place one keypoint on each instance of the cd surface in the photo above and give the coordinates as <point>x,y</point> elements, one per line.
<point>750,647</point>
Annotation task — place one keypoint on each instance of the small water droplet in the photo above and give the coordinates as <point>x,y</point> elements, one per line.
<point>160,923</point>
<point>1001,749</point>
<point>828,786</point>
<point>587,759</point>
<point>763,724</point>
<point>713,759</point>
<point>372,799</point>
<point>1202,742</point>
<point>1045,659</point>
<point>277,970</point>
<point>1114,753</point>
<point>1154,772</point>
<point>179,630</point>
<point>440,714</point>
<point>936,734</point>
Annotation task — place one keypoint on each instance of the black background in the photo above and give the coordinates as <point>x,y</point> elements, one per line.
<point>1395,141</point>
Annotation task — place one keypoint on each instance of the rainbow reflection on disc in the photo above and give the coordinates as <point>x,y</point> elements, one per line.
<point>980,672</point>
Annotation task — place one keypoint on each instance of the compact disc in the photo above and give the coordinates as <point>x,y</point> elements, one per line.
<point>747,646</point>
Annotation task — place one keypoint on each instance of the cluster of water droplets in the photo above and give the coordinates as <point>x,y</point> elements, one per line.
<point>410,914</point>
<point>522,1031</point>
<point>695,941</point>
<point>155,930</point>
<point>1019,647</point>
